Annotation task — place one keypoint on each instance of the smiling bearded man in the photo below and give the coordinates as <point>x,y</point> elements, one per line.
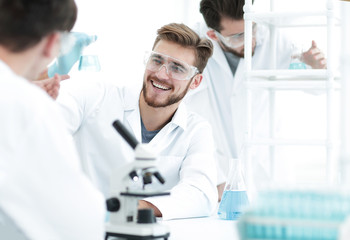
<point>156,116</point>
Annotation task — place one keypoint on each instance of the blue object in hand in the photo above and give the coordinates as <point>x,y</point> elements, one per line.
<point>65,61</point>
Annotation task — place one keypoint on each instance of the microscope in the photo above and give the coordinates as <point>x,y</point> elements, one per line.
<point>129,184</point>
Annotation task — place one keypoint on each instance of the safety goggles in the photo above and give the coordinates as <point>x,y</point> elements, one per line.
<point>235,40</point>
<point>175,68</point>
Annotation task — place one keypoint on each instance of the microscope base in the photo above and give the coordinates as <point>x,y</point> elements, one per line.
<point>132,231</point>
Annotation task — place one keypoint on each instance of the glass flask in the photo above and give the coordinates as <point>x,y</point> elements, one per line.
<point>234,199</point>
<point>89,60</point>
<point>296,61</point>
<point>89,63</point>
<point>72,47</point>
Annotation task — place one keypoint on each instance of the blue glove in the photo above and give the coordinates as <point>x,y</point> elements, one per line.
<point>65,61</point>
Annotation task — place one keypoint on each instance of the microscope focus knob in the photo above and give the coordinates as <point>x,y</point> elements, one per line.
<point>146,216</point>
<point>113,204</point>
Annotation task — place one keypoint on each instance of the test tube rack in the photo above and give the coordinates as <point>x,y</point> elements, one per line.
<point>295,214</point>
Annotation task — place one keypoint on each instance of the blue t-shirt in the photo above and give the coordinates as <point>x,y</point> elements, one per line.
<point>147,136</point>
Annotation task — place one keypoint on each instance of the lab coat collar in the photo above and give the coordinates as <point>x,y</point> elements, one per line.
<point>132,111</point>
<point>178,120</point>
<point>180,116</point>
<point>220,59</point>
<point>7,74</point>
<point>6,71</point>
<point>218,55</point>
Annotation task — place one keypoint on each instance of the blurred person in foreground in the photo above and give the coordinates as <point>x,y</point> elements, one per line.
<point>43,192</point>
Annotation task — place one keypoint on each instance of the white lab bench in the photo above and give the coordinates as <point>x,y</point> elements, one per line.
<point>206,228</point>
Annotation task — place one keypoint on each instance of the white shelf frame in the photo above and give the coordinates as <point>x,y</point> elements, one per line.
<point>289,19</point>
<point>344,159</point>
<point>274,80</point>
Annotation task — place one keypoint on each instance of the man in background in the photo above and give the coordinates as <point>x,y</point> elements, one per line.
<point>43,192</point>
<point>221,97</point>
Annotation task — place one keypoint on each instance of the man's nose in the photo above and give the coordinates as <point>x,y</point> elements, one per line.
<point>163,72</point>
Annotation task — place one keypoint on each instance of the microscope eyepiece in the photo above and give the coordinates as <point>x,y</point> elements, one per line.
<point>129,138</point>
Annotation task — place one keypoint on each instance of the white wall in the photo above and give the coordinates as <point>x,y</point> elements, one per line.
<point>126,29</point>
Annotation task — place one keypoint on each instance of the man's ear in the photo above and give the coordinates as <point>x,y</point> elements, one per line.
<point>52,45</point>
<point>211,34</point>
<point>196,81</point>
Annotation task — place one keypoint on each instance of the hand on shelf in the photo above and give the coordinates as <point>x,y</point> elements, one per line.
<point>314,57</point>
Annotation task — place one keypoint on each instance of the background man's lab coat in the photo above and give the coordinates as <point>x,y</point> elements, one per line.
<point>42,188</point>
<point>184,146</point>
<point>230,107</point>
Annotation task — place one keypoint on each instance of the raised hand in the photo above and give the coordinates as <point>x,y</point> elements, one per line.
<point>51,85</point>
<point>314,57</point>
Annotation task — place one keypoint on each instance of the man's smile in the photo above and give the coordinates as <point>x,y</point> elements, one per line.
<point>159,86</point>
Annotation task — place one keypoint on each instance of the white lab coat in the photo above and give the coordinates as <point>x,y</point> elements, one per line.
<point>42,188</point>
<point>184,146</point>
<point>204,102</point>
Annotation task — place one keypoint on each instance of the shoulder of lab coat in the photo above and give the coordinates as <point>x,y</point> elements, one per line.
<point>42,187</point>
<point>89,109</point>
<point>79,100</point>
<point>195,194</point>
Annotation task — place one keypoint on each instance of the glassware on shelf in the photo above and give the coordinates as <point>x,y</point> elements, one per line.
<point>297,58</point>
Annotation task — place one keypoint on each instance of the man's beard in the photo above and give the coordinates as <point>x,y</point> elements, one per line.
<point>172,99</point>
<point>234,52</point>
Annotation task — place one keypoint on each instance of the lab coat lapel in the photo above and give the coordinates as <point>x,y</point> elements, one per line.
<point>224,69</point>
<point>217,62</point>
<point>257,63</point>
<point>132,115</point>
<point>220,59</point>
<point>238,78</point>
